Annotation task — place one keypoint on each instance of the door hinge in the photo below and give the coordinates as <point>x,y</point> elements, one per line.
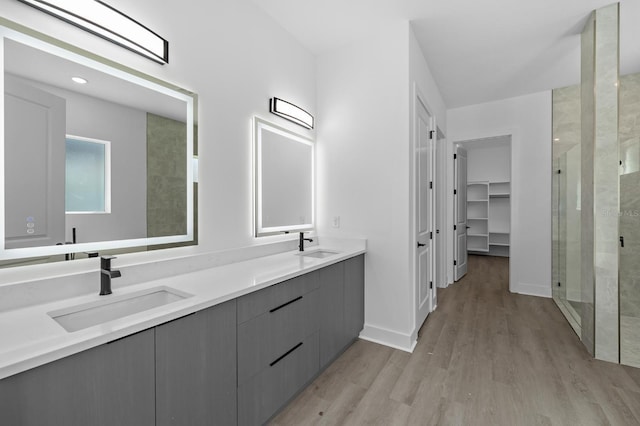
<point>455,156</point>
<point>621,241</point>
<point>431,132</point>
<point>431,185</point>
<point>559,171</point>
<point>455,263</point>
<point>455,228</point>
<point>455,192</point>
<point>431,285</point>
<point>559,284</point>
<point>431,235</point>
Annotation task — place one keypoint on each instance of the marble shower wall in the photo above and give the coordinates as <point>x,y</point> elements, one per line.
<point>629,128</point>
<point>606,182</point>
<point>166,177</point>
<point>587,141</point>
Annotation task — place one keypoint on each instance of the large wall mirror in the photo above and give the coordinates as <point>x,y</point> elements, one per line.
<point>95,156</point>
<point>284,180</point>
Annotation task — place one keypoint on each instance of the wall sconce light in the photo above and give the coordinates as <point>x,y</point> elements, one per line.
<point>104,21</point>
<point>291,112</point>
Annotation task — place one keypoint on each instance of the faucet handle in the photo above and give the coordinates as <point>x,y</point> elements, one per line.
<point>105,262</point>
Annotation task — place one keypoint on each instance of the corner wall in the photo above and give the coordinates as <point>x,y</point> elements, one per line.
<point>528,120</point>
<point>364,159</point>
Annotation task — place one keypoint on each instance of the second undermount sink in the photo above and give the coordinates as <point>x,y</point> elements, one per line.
<point>79,317</point>
<point>318,254</point>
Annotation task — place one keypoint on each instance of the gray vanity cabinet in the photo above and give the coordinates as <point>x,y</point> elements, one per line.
<point>234,363</point>
<point>196,368</point>
<point>333,335</point>
<point>277,346</point>
<point>341,307</point>
<point>111,384</point>
<point>354,296</point>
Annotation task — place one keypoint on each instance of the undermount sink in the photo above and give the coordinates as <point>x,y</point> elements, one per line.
<point>111,308</point>
<point>318,254</point>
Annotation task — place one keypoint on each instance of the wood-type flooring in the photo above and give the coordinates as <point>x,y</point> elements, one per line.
<point>485,356</point>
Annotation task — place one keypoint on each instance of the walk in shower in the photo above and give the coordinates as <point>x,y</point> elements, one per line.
<point>596,198</point>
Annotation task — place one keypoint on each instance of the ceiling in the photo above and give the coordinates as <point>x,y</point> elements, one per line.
<point>42,67</point>
<point>478,51</point>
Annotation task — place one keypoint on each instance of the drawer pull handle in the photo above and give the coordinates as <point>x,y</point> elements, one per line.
<point>285,354</point>
<point>288,303</point>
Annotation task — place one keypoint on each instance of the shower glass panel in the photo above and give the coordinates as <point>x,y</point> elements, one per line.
<point>567,290</point>
<point>566,229</point>
<point>629,267</point>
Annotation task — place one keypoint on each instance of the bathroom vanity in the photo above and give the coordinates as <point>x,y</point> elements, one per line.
<point>235,352</point>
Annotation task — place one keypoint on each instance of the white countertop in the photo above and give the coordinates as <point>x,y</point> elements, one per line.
<point>29,337</point>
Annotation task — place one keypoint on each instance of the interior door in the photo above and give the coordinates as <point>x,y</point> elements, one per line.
<point>460,227</point>
<point>424,217</point>
<point>34,196</point>
<point>440,158</point>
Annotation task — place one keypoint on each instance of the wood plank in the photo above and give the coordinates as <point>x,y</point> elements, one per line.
<point>484,357</point>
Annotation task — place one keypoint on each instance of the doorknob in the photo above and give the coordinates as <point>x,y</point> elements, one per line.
<point>421,245</point>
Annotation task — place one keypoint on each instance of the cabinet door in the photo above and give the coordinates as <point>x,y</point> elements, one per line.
<point>112,384</point>
<point>354,296</point>
<point>196,368</point>
<point>332,326</point>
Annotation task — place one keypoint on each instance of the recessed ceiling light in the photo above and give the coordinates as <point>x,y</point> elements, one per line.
<point>79,80</point>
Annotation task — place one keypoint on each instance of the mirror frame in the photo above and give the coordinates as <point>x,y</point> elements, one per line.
<point>260,231</point>
<point>33,38</point>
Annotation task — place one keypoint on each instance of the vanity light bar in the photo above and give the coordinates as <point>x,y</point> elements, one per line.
<point>100,19</point>
<point>291,112</point>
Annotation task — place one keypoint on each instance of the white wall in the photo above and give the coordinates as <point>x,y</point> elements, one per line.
<point>235,57</point>
<point>363,163</point>
<point>488,163</point>
<point>364,167</point>
<point>528,120</point>
<point>420,73</point>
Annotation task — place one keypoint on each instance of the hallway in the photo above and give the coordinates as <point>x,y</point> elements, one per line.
<point>485,357</point>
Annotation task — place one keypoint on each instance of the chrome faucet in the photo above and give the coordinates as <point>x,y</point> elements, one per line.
<point>302,240</point>
<point>106,274</point>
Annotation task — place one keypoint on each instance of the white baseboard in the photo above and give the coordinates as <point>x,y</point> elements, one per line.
<point>532,290</point>
<point>393,339</point>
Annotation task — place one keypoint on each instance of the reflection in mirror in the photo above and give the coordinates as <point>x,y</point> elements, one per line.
<point>284,187</point>
<point>103,164</point>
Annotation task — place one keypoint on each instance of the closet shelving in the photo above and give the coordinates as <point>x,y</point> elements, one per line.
<point>478,217</point>
<point>499,218</point>
<point>488,217</point>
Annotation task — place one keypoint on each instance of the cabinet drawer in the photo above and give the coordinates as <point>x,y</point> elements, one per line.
<point>261,396</point>
<point>266,337</point>
<point>255,304</point>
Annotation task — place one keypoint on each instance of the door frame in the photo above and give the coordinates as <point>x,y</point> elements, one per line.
<point>514,238</point>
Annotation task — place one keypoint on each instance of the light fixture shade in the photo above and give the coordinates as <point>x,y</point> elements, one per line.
<point>291,112</point>
<point>104,21</point>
